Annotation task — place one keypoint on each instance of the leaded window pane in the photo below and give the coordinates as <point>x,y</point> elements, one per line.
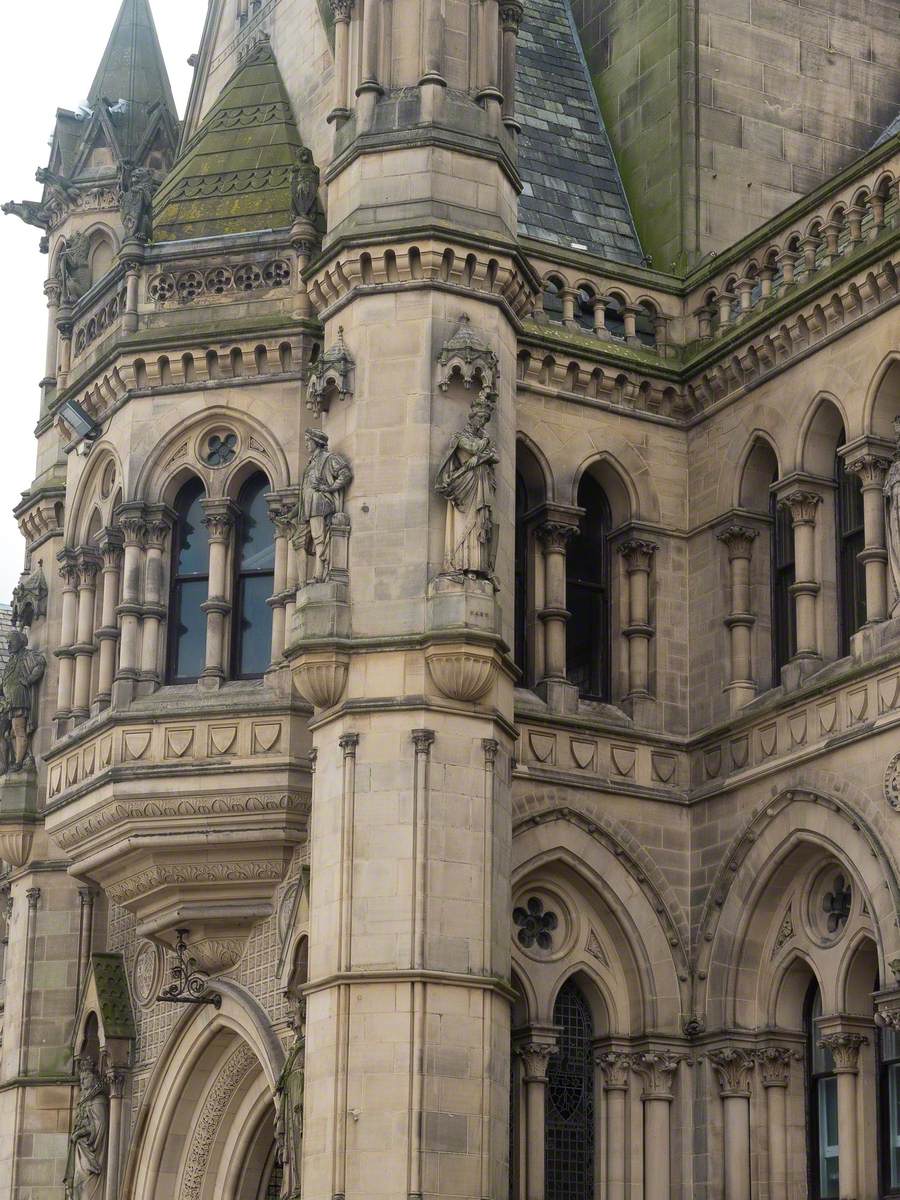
<point>569,1142</point>
<point>190,586</point>
<point>893,1123</point>
<point>828,1137</point>
<point>255,581</point>
<point>588,597</point>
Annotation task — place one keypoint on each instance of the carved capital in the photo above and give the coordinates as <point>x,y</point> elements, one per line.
<point>844,1049</point>
<point>68,571</point>
<point>88,565</point>
<point>219,519</point>
<point>341,9</point>
<point>774,1065</point>
<point>615,1065</point>
<point>637,554</point>
<point>156,531</point>
<point>536,1057</point>
<point>33,895</point>
<point>738,540</point>
<point>423,740</point>
<point>115,1083</point>
<point>53,292</point>
<point>130,519</point>
<point>348,743</point>
<point>110,543</point>
<point>802,506</point>
<point>657,1067</point>
<point>511,14</point>
<point>491,749</point>
<point>871,469</point>
<point>734,1069</point>
<point>556,535</point>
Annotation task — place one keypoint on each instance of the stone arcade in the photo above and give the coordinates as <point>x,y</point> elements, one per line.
<point>451,727</point>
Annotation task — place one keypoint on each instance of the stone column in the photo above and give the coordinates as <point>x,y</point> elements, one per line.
<point>734,1068</point>
<point>65,326</point>
<point>155,608</point>
<point>369,87</point>
<point>872,469</point>
<point>535,1055</point>
<point>88,567</point>
<point>775,1070</point>
<point>68,630</point>
<point>738,540</point>
<point>554,536</point>
<point>219,522</point>
<point>278,509</point>
<point>802,507</point>
<point>111,541</point>
<point>615,1066</point>
<point>341,10</point>
<point>489,36</point>
<point>845,1048</point>
<point>52,291</point>
<point>432,82</point>
<point>657,1069</point>
<point>511,13</point>
<point>115,1081</point>
<point>130,519</point>
<point>638,558</point>
<point>787,260</point>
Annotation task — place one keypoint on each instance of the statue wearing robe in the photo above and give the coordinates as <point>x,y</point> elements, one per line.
<point>289,1119</point>
<point>466,480</point>
<point>86,1167</point>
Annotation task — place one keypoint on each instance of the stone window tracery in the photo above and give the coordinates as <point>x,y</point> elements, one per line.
<point>535,924</point>
<point>190,586</point>
<point>569,1128</point>
<point>254,580</point>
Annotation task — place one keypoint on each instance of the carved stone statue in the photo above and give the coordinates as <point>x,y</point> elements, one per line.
<point>136,204</point>
<point>892,521</point>
<point>29,598</point>
<point>325,480</point>
<point>467,482</point>
<point>72,269</point>
<point>289,1116</point>
<point>85,1169</point>
<point>305,186</point>
<point>21,675</point>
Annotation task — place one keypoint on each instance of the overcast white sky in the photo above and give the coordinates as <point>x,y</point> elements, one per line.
<point>49,58</point>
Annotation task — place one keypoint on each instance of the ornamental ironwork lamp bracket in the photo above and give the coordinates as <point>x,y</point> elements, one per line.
<point>188,986</point>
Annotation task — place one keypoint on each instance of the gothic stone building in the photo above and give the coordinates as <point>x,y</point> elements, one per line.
<point>451,728</point>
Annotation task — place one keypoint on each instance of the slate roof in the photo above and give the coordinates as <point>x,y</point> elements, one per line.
<point>573,191</point>
<point>889,132</point>
<point>234,175</point>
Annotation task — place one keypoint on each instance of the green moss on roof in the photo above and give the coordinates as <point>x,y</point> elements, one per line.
<point>234,175</point>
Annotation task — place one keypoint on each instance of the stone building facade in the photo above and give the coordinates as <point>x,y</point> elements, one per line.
<point>451,719</point>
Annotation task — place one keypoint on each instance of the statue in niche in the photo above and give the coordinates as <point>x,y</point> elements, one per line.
<point>325,480</point>
<point>305,186</point>
<point>466,480</point>
<point>72,269</point>
<point>892,520</point>
<point>18,701</point>
<point>289,1105</point>
<point>136,203</point>
<point>85,1169</point>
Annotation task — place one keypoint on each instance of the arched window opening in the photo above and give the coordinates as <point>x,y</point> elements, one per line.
<point>521,578</point>
<point>645,323</point>
<point>553,301</point>
<point>254,581</point>
<point>822,1106</point>
<point>587,595</point>
<point>889,1085</point>
<point>614,316</point>
<point>190,587</point>
<point>584,308</point>
<point>851,541</point>
<point>569,1132</point>
<point>783,575</point>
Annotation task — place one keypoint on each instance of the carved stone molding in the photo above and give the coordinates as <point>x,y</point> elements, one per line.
<point>616,1067</point>
<point>734,1068</point>
<point>774,1065</point>
<point>845,1049</point>
<point>193,873</point>
<point>657,1067</point>
<point>208,1126</point>
<point>463,673</point>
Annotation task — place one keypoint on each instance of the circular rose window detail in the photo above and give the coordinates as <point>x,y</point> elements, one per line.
<point>830,904</point>
<point>219,448</point>
<point>535,925</point>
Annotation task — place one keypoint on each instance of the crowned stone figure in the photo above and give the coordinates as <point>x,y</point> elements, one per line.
<point>892,521</point>
<point>136,204</point>
<point>21,675</point>
<point>289,1104</point>
<point>325,479</point>
<point>85,1169</point>
<point>467,482</point>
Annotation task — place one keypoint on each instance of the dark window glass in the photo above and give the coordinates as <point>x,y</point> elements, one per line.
<point>254,581</point>
<point>851,542</point>
<point>584,309</point>
<point>190,586</point>
<point>822,1106</point>
<point>614,317</point>
<point>569,1140</point>
<point>521,581</point>
<point>784,618</point>
<point>587,595</point>
<point>889,1061</point>
<point>645,325</point>
<point>553,302</point>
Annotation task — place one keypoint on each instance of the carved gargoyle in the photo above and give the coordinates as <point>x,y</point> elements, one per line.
<point>136,204</point>
<point>72,269</point>
<point>305,186</point>
<point>32,212</point>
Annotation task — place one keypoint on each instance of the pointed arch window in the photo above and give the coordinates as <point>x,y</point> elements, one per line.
<point>783,575</point>
<point>569,1131</point>
<point>851,541</point>
<point>587,595</point>
<point>254,580</point>
<point>822,1107</point>
<point>190,587</point>
<point>521,579</point>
